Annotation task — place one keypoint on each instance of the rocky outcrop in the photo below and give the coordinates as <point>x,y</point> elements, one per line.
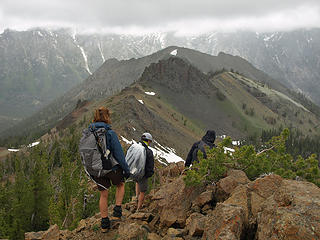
<point>292,212</point>
<point>225,222</point>
<point>173,201</point>
<point>51,234</point>
<point>267,208</point>
<point>226,185</point>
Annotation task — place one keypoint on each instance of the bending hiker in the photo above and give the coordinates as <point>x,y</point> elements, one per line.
<point>208,139</point>
<point>142,185</point>
<point>112,157</point>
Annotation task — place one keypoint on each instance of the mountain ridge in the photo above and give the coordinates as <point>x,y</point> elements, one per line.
<point>290,57</point>
<point>114,75</point>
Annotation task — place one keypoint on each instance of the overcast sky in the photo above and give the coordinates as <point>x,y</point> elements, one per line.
<point>143,16</point>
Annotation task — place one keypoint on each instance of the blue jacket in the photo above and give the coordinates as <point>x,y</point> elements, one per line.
<point>113,145</point>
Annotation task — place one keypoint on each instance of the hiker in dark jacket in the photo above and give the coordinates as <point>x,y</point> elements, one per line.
<point>117,176</point>
<point>208,139</point>
<point>142,185</point>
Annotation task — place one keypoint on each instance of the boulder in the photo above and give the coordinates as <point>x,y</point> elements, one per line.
<point>292,212</point>
<point>203,198</point>
<point>225,222</point>
<point>195,224</point>
<point>173,232</point>
<point>252,195</point>
<point>173,170</point>
<point>266,186</point>
<point>51,234</point>
<point>128,231</point>
<point>82,224</point>
<point>226,185</point>
<point>173,202</point>
<point>153,236</point>
<point>141,216</point>
<point>65,235</point>
<point>239,198</point>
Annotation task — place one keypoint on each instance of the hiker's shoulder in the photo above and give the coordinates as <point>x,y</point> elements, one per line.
<point>100,125</point>
<point>196,144</point>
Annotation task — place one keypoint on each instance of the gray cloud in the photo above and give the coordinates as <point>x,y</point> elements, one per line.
<point>184,16</point>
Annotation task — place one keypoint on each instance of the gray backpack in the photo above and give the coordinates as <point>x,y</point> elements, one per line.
<point>96,158</point>
<point>136,159</point>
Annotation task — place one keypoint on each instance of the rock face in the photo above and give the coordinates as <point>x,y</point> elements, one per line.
<point>225,222</point>
<point>51,234</point>
<point>292,212</point>
<point>173,201</point>
<point>226,185</point>
<point>267,208</point>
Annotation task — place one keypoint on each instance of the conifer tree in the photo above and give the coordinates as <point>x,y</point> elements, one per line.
<point>40,188</point>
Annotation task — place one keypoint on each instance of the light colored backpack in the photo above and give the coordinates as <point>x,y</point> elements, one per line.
<point>136,158</point>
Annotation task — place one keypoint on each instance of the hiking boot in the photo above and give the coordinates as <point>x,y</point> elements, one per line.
<point>117,213</point>
<point>105,224</point>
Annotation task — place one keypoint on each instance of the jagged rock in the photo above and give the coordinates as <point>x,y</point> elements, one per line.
<point>141,216</point>
<point>51,234</point>
<point>82,224</point>
<point>195,224</point>
<point>173,170</point>
<point>252,196</point>
<point>206,208</point>
<point>225,222</point>
<point>266,186</point>
<point>168,217</point>
<point>65,235</point>
<point>226,185</point>
<point>203,198</point>
<point>239,198</point>
<point>173,202</point>
<point>131,231</point>
<point>174,232</point>
<point>171,238</point>
<point>154,221</point>
<point>153,236</point>
<point>292,212</point>
<point>33,235</point>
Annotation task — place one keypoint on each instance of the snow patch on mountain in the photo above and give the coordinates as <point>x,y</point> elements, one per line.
<point>268,38</point>
<point>100,50</point>
<point>82,52</point>
<point>85,59</point>
<point>150,93</point>
<point>40,34</point>
<point>13,150</point>
<point>174,52</point>
<point>33,144</point>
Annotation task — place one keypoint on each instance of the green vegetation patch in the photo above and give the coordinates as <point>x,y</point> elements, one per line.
<point>273,159</point>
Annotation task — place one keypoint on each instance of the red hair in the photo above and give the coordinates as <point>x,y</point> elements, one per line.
<point>102,114</point>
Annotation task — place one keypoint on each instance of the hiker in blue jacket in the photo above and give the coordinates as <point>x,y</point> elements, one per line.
<point>208,139</point>
<point>117,176</point>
